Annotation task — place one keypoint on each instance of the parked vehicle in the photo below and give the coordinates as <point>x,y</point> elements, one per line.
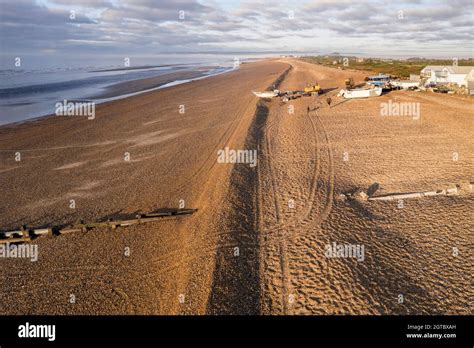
<point>313,89</point>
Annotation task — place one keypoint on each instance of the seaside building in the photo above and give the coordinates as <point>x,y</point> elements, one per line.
<point>470,81</point>
<point>441,74</point>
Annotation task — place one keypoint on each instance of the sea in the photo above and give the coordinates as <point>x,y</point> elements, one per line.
<point>32,89</point>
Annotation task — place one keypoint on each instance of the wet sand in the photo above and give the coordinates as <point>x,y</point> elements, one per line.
<point>140,85</point>
<point>191,265</point>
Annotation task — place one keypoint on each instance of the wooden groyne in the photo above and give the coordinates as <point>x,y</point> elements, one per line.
<point>370,193</point>
<point>26,234</point>
<point>409,195</point>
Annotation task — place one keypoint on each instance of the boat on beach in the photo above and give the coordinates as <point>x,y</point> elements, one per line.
<point>404,84</point>
<point>360,93</point>
<point>378,80</point>
<point>267,94</point>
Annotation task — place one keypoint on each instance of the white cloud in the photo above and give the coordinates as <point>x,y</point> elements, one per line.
<point>155,26</point>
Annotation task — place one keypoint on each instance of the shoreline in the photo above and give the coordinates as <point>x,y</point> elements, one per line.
<point>126,89</point>
<point>167,82</point>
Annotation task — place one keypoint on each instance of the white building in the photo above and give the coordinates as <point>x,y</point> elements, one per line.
<point>470,81</point>
<point>436,74</point>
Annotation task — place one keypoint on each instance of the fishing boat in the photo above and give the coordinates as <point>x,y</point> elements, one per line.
<point>360,93</point>
<point>378,80</point>
<point>267,94</point>
<point>404,84</point>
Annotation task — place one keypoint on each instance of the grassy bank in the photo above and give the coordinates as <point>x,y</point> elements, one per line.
<point>400,68</point>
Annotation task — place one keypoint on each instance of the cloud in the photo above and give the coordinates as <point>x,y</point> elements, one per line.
<point>149,26</point>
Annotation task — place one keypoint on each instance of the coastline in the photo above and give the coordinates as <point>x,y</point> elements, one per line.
<point>125,89</point>
<point>132,88</point>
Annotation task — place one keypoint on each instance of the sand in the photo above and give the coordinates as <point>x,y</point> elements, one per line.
<point>191,265</point>
<point>408,251</point>
<point>135,86</point>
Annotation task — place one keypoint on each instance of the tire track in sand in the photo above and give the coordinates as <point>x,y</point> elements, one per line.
<point>310,216</point>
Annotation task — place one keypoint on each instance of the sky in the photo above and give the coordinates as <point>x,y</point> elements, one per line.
<point>52,29</point>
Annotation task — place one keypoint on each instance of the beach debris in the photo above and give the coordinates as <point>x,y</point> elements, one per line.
<point>369,195</point>
<point>452,190</point>
<point>360,195</point>
<point>465,186</point>
<point>290,95</point>
<point>329,100</point>
<point>373,188</point>
<point>26,234</point>
<point>341,197</point>
<point>349,83</point>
